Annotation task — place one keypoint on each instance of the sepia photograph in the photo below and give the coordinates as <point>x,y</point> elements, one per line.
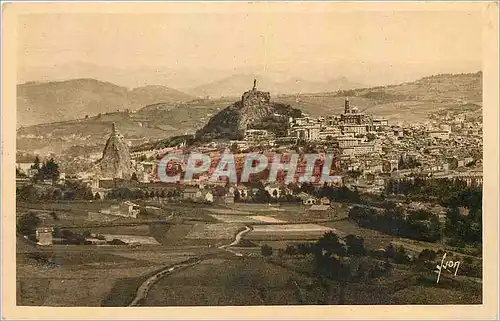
<point>266,154</point>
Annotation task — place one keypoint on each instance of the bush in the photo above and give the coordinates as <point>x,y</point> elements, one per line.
<point>291,250</point>
<point>427,255</point>
<point>376,271</point>
<point>355,245</point>
<point>400,256</point>
<point>28,223</point>
<point>266,250</point>
<point>54,216</point>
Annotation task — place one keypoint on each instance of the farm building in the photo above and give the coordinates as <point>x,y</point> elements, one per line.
<point>44,235</point>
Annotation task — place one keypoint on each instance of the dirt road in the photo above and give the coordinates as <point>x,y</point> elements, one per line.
<point>144,288</point>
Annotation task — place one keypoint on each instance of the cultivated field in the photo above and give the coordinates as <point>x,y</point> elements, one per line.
<point>287,232</point>
<point>88,275</point>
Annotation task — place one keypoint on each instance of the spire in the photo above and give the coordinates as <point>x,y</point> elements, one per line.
<point>113,128</point>
<point>254,84</point>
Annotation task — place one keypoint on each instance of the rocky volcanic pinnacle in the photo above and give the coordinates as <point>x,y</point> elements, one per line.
<point>115,161</point>
<point>254,111</point>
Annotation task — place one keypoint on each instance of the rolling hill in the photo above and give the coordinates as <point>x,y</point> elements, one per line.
<point>235,85</point>
<point>47,102</point>
<point>148,124</point>
<point>412,101</point>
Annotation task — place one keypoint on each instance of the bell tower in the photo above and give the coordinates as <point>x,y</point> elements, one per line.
<point>347,107</point>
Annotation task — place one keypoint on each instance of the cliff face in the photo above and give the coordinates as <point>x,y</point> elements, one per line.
<point>115,161</point>
<point>254,110</point>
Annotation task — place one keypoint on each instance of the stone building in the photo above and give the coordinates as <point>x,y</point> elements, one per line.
<point>44,235</point>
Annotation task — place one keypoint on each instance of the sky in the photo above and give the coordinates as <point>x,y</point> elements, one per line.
<point>357,44</point>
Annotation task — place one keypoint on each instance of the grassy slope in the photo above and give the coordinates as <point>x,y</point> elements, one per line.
<point>254,281</point>
<point>411,101</point>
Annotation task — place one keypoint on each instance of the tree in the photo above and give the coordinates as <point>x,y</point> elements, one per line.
<point>27,224</point>
<point>49,170</point>
<point>266,250</point>
<point>427,255</point>
<point>390,251</point>
<point>420,215</point>
<point>57,232</point>
<point>329,245</point>
<point>355,245</point>
<point>234,148</point>
<point>400,256</point>
<point>54,216</point>
<point>291,250</point>
<point>57,194</point>
<point>401,163</point>
<point>19,173</point>
<point>121,193</point>
<point>36,163</point>
<point>307,188</point>
<point>275,193</point>
<point>262,196</point>
<point>371,136</point>
<point>237,195</point>
<point>28,194</point>
<point>75,190</point>
<point>387,266</point>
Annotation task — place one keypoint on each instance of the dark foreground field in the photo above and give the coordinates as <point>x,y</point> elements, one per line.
<point>72,275</point>
<point>258,281</point>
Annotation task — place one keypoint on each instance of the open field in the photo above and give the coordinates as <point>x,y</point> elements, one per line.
<point>228,282</point>
<point>110,275</point>
<point>254,281</point>
<point>217,231</point>
<point>226,211</point>
<point>246,219</point>
<point>253,207</point>
<point>88,275</point>
<point>234,218</point>
<point>267,219</point>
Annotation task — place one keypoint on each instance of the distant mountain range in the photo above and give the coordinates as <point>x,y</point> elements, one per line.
<point>48,102</point>
<point>234,85</point>
<point>45,102</point>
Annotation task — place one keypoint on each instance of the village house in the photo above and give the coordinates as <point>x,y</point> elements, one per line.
<point>44,235</point>
<point>125,209</point>
<point>243,192</point>
<point>307,199</point>
<point>192,194</point>
<point>273,190</point>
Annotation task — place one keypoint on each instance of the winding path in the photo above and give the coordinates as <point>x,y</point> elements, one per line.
<point>144,288</point>
<point>237,239</point>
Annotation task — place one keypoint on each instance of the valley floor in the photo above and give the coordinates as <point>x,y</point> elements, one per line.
<point>90,275</point>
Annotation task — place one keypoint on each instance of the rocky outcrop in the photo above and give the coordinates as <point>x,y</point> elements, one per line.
<point>115,161</point>
<point>254,111</point>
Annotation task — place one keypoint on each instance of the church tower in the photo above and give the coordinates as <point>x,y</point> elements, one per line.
<point>347,107</point>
